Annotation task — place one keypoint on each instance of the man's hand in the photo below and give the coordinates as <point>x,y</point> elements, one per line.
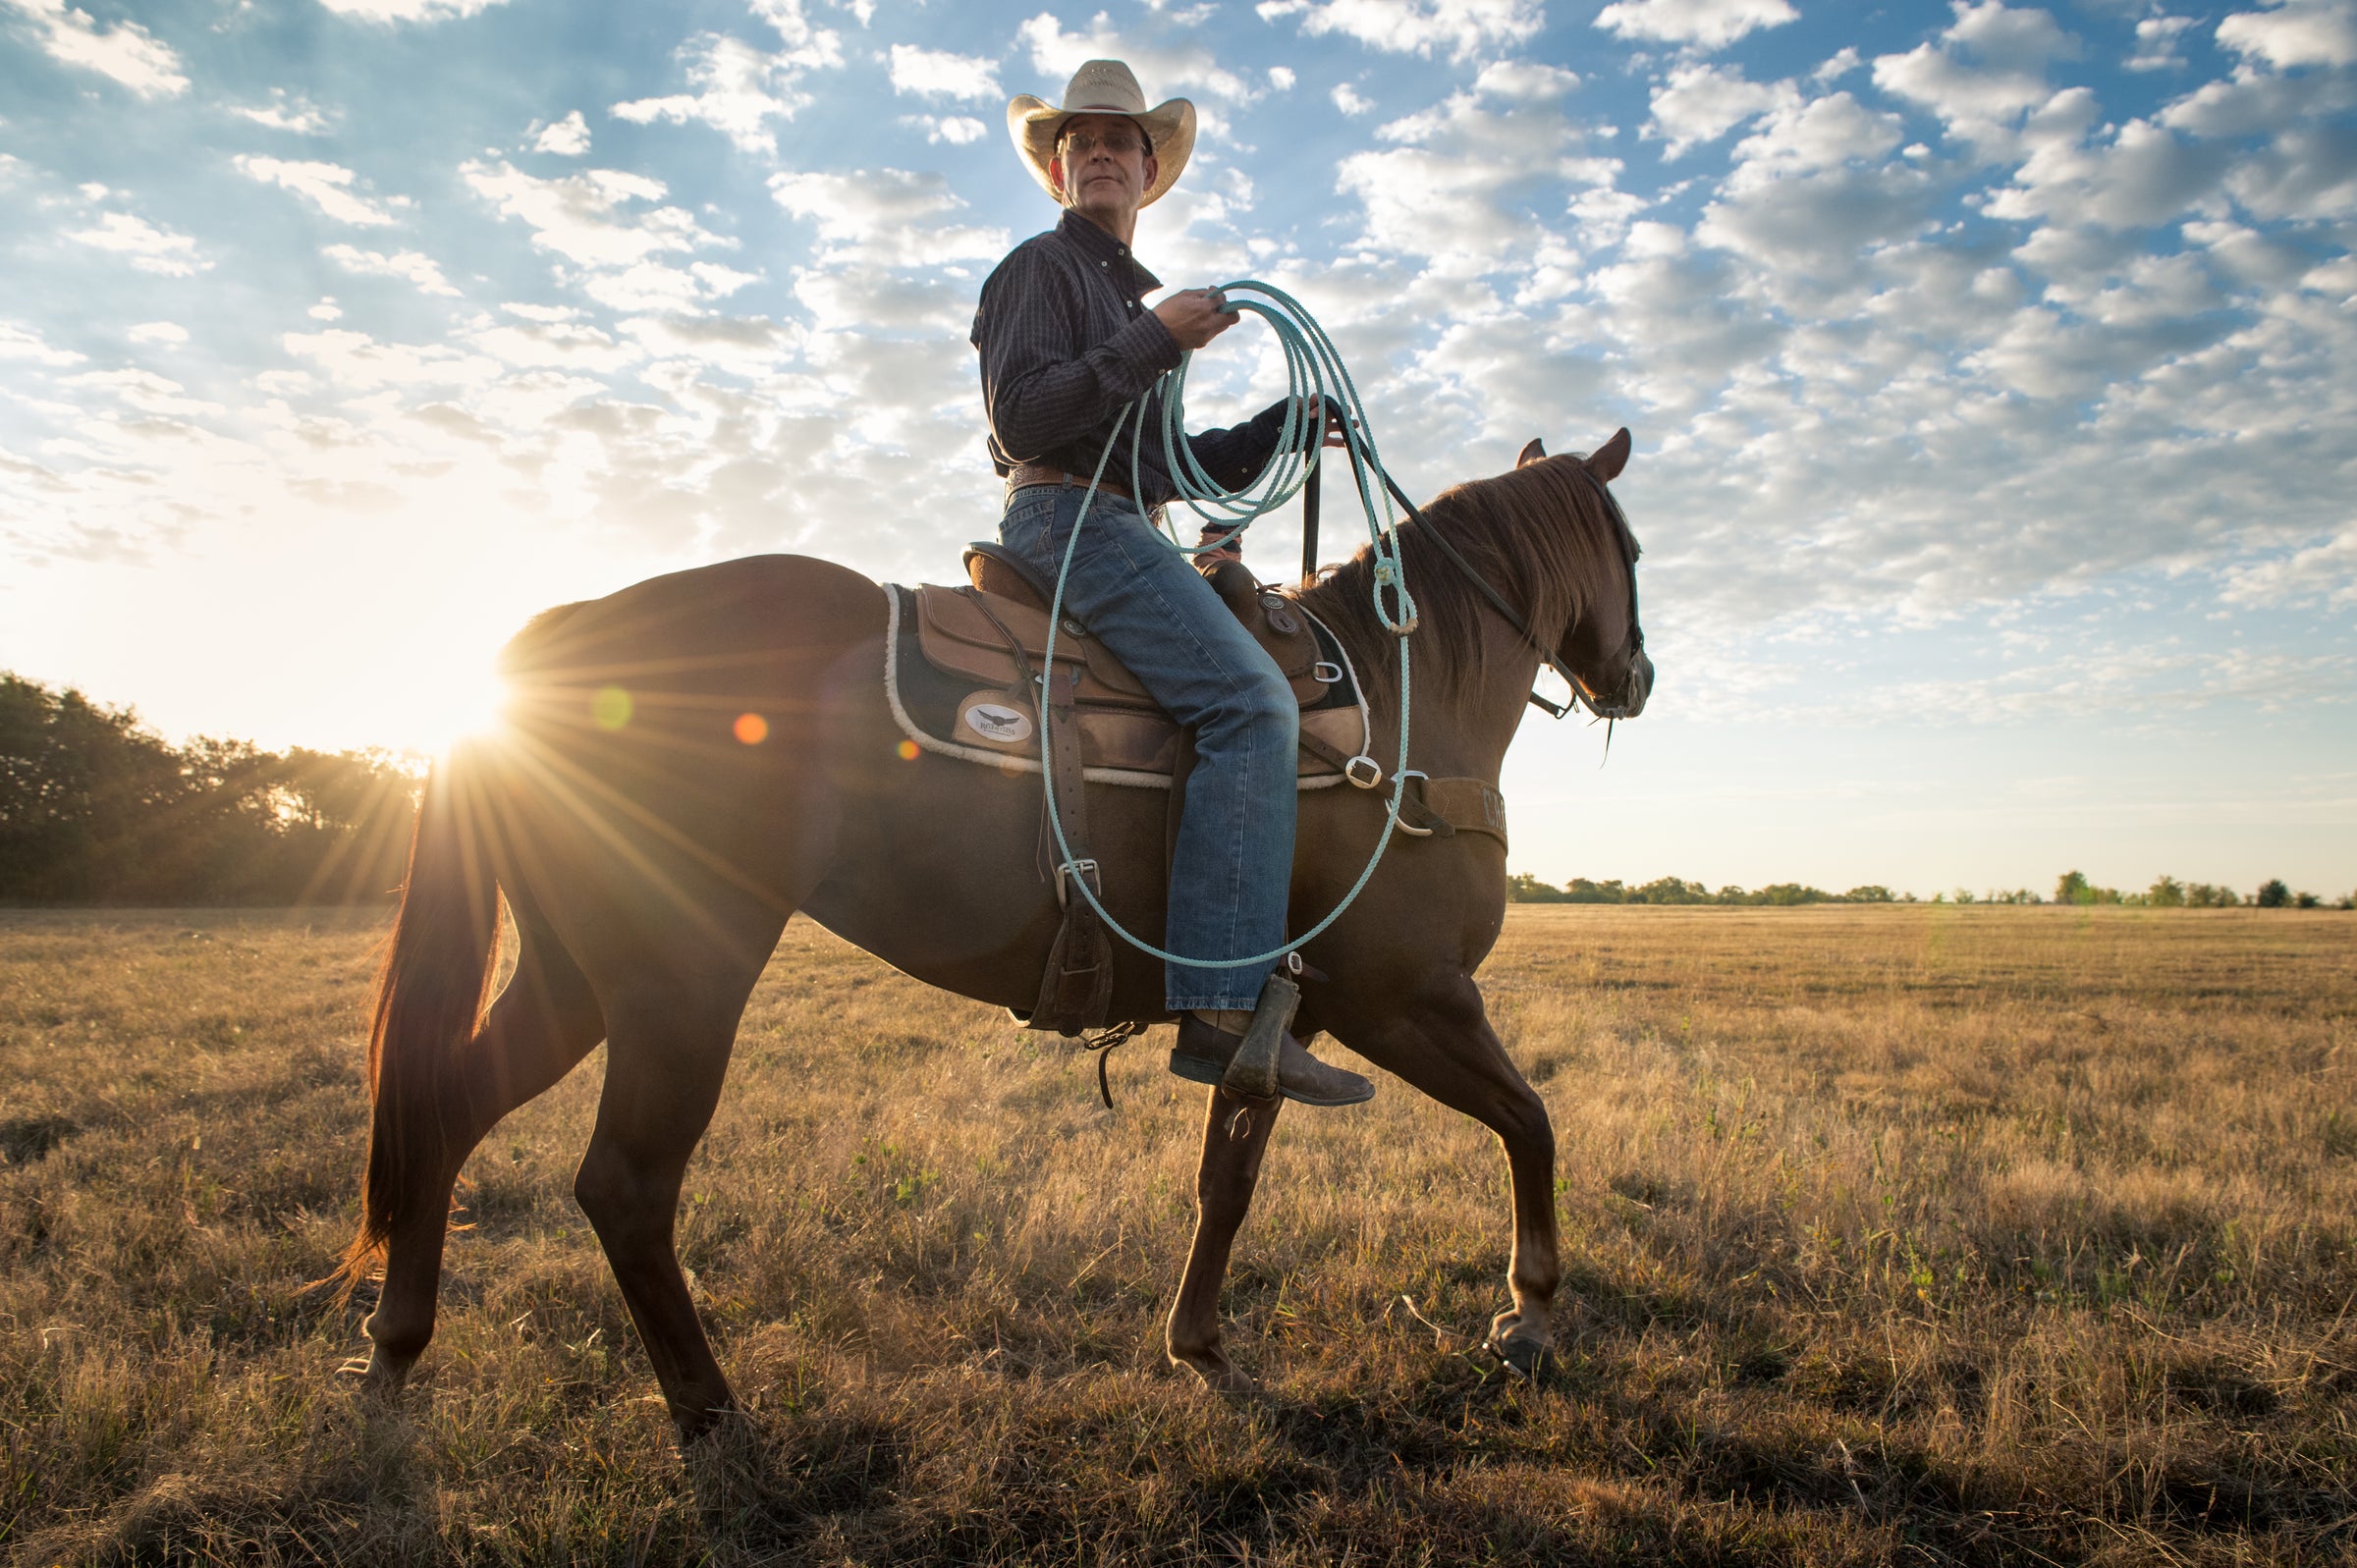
<point>1195,316</point>
<point>1337,435</point>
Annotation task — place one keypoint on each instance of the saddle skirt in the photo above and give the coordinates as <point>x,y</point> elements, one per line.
<point>959,663</point>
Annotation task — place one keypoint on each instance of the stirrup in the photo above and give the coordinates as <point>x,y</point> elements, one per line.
<point>1253,1073</point>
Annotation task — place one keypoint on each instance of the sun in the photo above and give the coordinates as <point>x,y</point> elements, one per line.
<point>433,708</point>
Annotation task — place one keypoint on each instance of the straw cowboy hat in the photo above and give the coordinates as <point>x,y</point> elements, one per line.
<point>1103,86</point>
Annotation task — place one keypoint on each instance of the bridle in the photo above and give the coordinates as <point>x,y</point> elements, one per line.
<point>1549,653</point>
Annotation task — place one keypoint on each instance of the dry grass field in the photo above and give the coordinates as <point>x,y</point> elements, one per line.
<point>1895,1236</point>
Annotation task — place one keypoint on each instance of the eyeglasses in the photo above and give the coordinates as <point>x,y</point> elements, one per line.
<point>1083,143</point>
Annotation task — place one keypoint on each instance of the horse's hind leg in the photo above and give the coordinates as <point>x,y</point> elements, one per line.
<point>666,1053</point>
<point>1223,1183</point>
<point>541,1026</point>
<point>1443,1044</point>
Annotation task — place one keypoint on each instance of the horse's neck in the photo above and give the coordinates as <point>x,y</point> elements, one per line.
<point>1461,728</point>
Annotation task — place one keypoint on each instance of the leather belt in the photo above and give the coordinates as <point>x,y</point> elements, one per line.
<point>1049,473</point>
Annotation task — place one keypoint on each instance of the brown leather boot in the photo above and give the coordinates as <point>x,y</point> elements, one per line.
<point>1204,1050</point>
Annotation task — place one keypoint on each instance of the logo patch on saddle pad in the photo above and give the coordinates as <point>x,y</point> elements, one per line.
<point>995,721</point>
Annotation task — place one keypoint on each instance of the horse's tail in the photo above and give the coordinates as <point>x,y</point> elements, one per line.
<point>429,1000</point>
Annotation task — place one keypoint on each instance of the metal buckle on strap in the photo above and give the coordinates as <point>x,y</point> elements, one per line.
<point>1400,821</point>
<point>1082,867</point>
<point>1327,671</point>
<point>1372,776</point>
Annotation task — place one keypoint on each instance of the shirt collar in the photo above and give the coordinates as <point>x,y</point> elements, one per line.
<point>1098,246</point>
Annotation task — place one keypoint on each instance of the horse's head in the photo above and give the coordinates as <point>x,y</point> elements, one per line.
<point>1602,651</point>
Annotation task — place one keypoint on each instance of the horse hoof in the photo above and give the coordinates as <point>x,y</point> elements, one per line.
<point>1219,1375</point>
<point>1524,1358</point>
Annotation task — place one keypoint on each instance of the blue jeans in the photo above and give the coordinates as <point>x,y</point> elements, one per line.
<point>1234,860</point>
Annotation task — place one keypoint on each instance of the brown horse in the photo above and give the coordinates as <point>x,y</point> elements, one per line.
<point>652,841</point>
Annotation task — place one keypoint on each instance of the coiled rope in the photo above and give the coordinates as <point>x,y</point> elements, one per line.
<point>1314,373</point>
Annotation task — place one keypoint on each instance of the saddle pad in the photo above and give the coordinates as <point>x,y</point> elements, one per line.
<point>952,696</point>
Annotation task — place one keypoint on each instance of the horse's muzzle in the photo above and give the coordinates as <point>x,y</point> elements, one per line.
<point>1629,701</point>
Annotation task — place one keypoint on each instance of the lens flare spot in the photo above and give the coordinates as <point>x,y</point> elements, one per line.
<point>610,707</point>
<point>907,750</point>
<point>752,728</point>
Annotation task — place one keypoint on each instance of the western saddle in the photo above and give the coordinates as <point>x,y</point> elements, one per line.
<point>964,673</point>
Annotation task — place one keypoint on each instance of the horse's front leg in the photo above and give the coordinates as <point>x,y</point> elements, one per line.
<point>1443,1044</point>
<point>1223,1183</point>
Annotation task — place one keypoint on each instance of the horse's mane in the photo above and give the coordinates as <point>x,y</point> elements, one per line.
<point>1540,533</point>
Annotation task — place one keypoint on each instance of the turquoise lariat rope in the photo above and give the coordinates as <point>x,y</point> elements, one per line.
<point>1313,370</point>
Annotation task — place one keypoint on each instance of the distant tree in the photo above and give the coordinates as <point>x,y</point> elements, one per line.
<point>1579,890</point>
<point>2273,895</point>
<point>1870,893</point>
<point>2166,892</point>
<point>2209,895</point>
<point>1671,890</point>
<point>1527,889</point>
<point>2074,888</point>
<point>2307,901</point>
<point>96,808</point>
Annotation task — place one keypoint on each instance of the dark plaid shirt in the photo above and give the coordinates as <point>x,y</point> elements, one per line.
<point>1066,342</point>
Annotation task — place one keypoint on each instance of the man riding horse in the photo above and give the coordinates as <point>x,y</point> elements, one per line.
<point>1067,343</point>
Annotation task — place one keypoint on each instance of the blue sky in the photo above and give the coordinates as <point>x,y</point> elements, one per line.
<point>1993,369</point>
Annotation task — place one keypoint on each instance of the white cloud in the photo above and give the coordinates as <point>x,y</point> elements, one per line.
<point>1986,69</point>
<point>1460,186</point>
<point>1162,69</point>
<point>567,137</point>
<point>126,53</point>
<point>595,220</point>
<point>938,73</point>
<point>358,363</point>
<point>24,345</point>
<point>744,346</point>
<point>2307,175</point>
<point>1706,23</point>
<point>885,217</point>
<point>582,217</point>
<point>2157,43</point>
<point>1703,102</point>
<point>2326,571</point>
<point>162,332</point>
<point>286,111</point>
<point>325,186</point>
<point>150,248</point>
<point>1281,78</point>
<point>1347,99</point>
<point>2294,32</point>
<point>145,391</point>
<point>2144,175</point>
<point>392,11</point>
<point>569,346</point>
<point>958,129</point>
<point>409,266</point>
<point>739,89</point>
<point>1462,28</point>
<point>1811,191</point>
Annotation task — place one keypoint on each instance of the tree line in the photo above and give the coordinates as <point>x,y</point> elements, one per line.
<point>97,808</point>
<point>2073,888</point>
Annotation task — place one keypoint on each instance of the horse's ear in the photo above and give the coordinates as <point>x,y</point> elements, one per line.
<point>1531,454</point>
<point>1606,461</point>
